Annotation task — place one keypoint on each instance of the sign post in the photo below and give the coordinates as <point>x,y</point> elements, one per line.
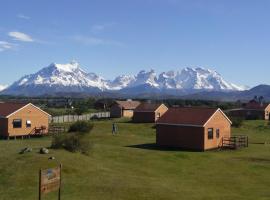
<point>50,180</point>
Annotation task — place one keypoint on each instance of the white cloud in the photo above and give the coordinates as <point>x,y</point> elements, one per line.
<point>89,40</point>
<point>20,36</point>
<point>100,27</point>
<point>22,16</point>
<point>6,46</point>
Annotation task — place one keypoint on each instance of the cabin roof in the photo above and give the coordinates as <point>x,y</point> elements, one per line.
<point>9,108</point>
<point>148,107</point>
<point>128,105</point>
<point>189,116</point>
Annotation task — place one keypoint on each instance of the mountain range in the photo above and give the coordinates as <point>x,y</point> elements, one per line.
<point>189,83</point>
<point>71,78</point>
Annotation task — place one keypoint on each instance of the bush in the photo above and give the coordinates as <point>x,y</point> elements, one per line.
<point>81,127</point>
<point>237,122</point>
<point>72,142</point>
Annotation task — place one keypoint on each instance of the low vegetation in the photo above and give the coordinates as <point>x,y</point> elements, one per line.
<point>237,121</point>
<point>81,127</point>
<point>76,140</point>
<point>73,142</point>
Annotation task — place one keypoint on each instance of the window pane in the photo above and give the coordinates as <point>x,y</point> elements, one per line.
<point>210,133</point>
<point>217,133</point>
<point>28,123</point>
<point>17,123</point>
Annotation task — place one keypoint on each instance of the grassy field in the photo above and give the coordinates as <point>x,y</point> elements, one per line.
<point>128,167</point>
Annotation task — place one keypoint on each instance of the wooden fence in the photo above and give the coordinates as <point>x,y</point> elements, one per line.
<point>235,142</point>
<point>75,118</point>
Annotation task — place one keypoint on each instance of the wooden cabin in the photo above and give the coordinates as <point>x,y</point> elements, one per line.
<point>123,108</point>
<point>193,128</point>
<point>252,110</point>
<point>18,119</point>
<point>149,112</point>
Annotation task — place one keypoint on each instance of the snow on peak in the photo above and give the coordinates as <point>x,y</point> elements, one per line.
<point>146,77</point>
<point>69,67</point>
<point>2,87</point>
<point>121,82</point>
<point>70,77</point>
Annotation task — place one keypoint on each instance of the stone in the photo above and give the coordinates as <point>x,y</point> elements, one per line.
<point>44,150</point>
<point>26,150</point>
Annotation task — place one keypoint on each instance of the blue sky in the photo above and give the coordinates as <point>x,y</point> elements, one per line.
<point>113,37</point>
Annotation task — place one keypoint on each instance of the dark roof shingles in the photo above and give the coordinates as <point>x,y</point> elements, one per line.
<point>8,108</point>
<point>147,107</point>
<point>187,116</point>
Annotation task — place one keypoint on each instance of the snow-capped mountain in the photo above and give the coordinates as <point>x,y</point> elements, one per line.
<point>121,82</point>
<point>2,87</point>
<point>71,78</point>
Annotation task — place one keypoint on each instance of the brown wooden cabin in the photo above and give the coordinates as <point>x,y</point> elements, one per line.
<point>193,128</point>
<point>18,119</point>
<point>149,112</point>
<point>123,108</point>
<point>252,110</point>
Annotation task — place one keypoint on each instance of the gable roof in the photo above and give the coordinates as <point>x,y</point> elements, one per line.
<point>189,116</point>
<point>9,108</point>
<point>129,105</point>
<point>147,107</point>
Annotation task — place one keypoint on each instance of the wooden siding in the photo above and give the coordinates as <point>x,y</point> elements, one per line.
<point>192,137</point>
<point>127,113</point>
<point>3,127</point>
<point>267,113</point>
<point>144,117</point>
<point>116,111</point>
<point>160,111</point>
<point>36,116</point>
<point>218,121</point>
<point>180,136</point>
<point>148,116</point>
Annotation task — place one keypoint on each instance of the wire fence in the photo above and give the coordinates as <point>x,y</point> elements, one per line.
<point>75,118</point>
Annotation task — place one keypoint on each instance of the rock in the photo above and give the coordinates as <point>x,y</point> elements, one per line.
<point>44,150</point>
<point>26,150</point>
<point>52,158</point>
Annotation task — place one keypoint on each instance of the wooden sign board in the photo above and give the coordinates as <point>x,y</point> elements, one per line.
<point>50,180</point>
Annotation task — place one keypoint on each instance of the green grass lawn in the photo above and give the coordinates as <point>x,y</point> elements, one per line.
<point>128,167</point>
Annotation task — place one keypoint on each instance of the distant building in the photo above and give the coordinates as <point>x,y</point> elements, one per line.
<point>252,110</point>
<point>148,112</point>
<point>18,119</point>
<point>123,108</point>
<point>193,128</point>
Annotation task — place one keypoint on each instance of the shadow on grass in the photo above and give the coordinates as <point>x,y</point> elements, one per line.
<point>153,146</point>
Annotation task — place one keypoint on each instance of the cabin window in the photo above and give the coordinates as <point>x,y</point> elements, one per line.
<point>28,123</point>
<point>158,115</point>
<point>17,123</point>
<point>210,133</point>
<point>217,133</point>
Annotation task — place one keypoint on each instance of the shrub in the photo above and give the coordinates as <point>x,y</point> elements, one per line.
<point>81,127</point>
<point>73,142</point>
<point>58,141</point>
<point>237,122</point>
